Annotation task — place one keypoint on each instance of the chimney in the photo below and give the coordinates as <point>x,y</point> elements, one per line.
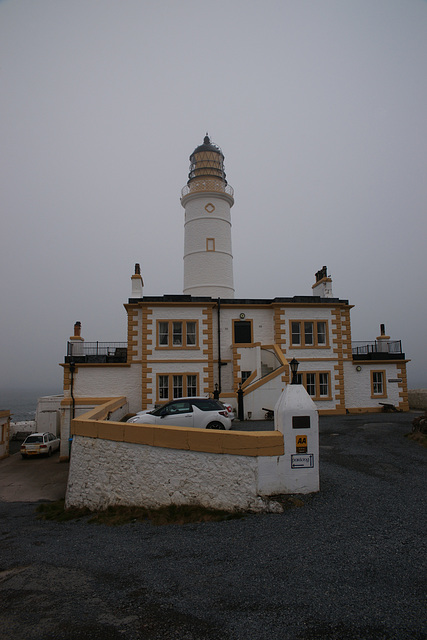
<point>323,285</point>
<point>137,282</point>
<point>76,341</point>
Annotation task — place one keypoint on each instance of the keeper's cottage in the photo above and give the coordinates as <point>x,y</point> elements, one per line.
<point>206,341</point>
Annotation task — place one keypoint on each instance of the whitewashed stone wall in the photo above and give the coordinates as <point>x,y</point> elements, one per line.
<point>417,399</point>
<point>104,473</point>
<point>358,384</point>
<point>108,382</point>
<point>208,273</point>
<point>48,414</point>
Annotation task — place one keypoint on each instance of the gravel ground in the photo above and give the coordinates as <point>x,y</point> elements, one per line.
<point>347,565</point>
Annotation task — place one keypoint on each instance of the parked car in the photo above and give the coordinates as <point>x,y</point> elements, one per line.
<point>202,413</point>
<point>39,444</point>
<point>230,410</point>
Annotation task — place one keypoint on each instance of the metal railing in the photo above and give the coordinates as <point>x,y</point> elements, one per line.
<point>361,347</point>
<point>97,352</point>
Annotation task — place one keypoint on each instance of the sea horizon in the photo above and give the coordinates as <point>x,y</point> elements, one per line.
<point>22,401</point>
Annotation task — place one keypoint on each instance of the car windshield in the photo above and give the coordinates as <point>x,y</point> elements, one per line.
<point>207,404</point>
<point>33,439</point>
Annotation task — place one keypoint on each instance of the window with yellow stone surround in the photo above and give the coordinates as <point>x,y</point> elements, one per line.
<point>176,385</point>
<point>309,333</point>
<point>177,334</point>
<point>316,383</point>
<point>378,384</point>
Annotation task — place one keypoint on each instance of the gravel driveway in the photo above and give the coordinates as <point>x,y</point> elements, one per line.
<point>349,564</point>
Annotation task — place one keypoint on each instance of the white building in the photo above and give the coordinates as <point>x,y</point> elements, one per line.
<point>206,340</point>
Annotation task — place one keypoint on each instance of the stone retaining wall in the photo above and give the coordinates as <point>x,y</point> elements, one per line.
<point>417,399</point>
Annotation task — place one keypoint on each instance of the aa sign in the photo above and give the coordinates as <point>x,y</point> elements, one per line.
<point>301,444</point>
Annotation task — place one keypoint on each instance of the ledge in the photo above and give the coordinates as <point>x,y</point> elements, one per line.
<point>238,443</point>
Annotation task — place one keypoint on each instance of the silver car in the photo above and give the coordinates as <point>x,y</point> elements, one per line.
<point>39,444</point>
<point>202,413</point>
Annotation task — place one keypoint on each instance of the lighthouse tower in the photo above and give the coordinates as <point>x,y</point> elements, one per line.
<point>207,200</point>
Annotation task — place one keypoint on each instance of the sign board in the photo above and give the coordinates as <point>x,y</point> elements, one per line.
<point>395,380</point>
<point>300,422</point>
<point>302,461</point>
<point>301,444</point>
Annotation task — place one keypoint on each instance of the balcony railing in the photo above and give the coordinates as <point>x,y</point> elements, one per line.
<point>96,352</point>
<point>377,350</point>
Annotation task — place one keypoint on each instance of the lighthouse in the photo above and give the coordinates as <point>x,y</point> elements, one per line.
<point>207,199</point>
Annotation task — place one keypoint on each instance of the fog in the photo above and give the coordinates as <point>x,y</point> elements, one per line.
<point>320,110</point>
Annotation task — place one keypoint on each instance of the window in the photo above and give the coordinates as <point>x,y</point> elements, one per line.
<point>309,333</point>
<point>378,385</point>
<point>191,385</point>
<point>242,331</point>
<point>177,387</point>
<point>163,333</point>
<point>177,334</point>
<point>296,333</point>
<point>321,332</point>
<point>172,385</point>
<point>210,244</point>
<point>191,334</point>
<point>323,384</point>
<point>310,383</point>
<point>163,387</point>
<point>246,375</point>
<point>316,384</point>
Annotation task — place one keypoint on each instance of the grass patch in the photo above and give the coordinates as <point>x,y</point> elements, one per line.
<point>119,515</point>
<point>56,511</point>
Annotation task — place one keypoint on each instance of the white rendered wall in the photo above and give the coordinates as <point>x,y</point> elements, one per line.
<point>108,382</point>
<point>264,397</point>
<point>358,384</point>
<point>103,473</point>
<point>208,273</point>
<point>48,414</point>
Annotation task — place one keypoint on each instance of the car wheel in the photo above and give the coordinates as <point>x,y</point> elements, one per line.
<point>215,425</point>
<point>24,456</point>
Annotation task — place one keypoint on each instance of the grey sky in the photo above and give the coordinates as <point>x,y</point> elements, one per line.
<point>319,107</point>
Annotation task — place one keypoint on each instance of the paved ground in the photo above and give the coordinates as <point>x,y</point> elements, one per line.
<point>350,564</point>
<point>32,479</point>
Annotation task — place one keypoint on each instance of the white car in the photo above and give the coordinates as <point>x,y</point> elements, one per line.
<point>230,410</point>
<point>39,444</point>
<point>202,413</point>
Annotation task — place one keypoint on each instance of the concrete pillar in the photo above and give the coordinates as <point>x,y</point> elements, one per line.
<point>296,416</point>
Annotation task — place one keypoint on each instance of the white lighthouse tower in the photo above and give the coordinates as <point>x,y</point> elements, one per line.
<point>207,200</point>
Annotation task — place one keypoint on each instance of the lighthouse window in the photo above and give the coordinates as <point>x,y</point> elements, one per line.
<point>210,244</point>
<point>177,334</point>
